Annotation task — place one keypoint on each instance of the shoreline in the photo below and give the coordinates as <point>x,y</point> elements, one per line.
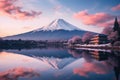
<point>95,47</point>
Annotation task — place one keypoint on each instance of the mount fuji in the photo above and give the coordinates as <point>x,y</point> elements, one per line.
<point>58,29</point>
<point>58,24</point>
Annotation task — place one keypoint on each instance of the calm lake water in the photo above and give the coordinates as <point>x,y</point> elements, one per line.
<point>59,64</point>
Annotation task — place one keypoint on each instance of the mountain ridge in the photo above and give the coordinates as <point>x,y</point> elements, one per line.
<point>58,29</point>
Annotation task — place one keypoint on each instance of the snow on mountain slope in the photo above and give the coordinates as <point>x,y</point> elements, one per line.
<point>56,63</point>
<point>58,24</point>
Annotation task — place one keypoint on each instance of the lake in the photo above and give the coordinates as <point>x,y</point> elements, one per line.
<point>59,64</point>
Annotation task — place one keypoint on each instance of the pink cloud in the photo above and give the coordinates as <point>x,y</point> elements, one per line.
<point>98,19</point>
<point>8,8</point>
<point>115,8</point>
<point>87,68</point>
<point>14,74</point>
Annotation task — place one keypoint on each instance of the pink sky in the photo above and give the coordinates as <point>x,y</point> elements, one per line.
<point>19,16</point>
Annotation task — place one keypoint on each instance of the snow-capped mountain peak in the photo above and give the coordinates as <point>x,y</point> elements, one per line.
<point>59,29</point>
<point>58,24</point>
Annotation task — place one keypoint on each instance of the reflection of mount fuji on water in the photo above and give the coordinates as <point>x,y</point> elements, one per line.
<point>55,58</point>
<point>59,29</point>
<point>56,63</point>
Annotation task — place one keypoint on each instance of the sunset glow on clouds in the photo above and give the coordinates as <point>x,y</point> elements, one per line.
<point>8,8</point>
<point>87,68</point>
<point>19,16</point>
<point>115,8</point>
<point>97,19</point>
<point>16,73</point>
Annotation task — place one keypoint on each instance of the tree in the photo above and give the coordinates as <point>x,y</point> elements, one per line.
<point>87,37</point>
<point>113,33</point>
<point>117,43</point>
<point>107,30</point>
<point>75,40</point>
<point>113,36</point>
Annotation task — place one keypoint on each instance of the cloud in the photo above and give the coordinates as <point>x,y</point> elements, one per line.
<point>14,74</point>
<point>99,19</point>
<point>8,8</point>
<point>87,68</point>
<point>116,8</point>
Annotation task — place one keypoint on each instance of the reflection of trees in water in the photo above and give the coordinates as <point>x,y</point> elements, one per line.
<point>86,55</point>
<point>14,74</point>
<point>41,47</point>
<point>99,55</point>
<point>75,53</point>
<point>80,53</point>
<point>107,61</point>
<point>114,59</point>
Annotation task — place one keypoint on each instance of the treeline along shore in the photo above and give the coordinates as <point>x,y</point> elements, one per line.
<point>21,44</point>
